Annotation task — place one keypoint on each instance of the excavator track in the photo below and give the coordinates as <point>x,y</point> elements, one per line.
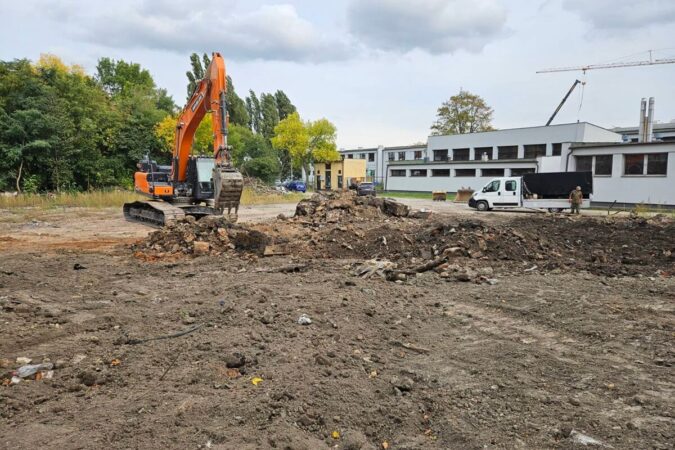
<point>228,185</point>
<point>157,213</point>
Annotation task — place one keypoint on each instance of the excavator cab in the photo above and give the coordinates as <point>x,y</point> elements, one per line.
<point>200,178</point>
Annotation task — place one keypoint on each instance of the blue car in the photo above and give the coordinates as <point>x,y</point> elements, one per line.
<point>297,186</point>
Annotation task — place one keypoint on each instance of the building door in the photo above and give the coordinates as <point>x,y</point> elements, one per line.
<point>328,187</point>
<point>318,182</point>
<point>509,193</point>
<point>339,180</point>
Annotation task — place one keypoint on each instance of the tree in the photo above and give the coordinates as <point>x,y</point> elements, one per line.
<point>270,115</point>
<point>254,112</point>
<point>306,142</point>
<point>284,105</point>
<point>202,144</point>
<point>463,113</point>
<point>121,77</point>
<point>322,136</point>
<point>236,108</point>
<point>197,72</point>
<point>253,155</point>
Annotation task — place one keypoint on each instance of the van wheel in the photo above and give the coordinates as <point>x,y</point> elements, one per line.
<point>482,206</point>
<point>555,210</point>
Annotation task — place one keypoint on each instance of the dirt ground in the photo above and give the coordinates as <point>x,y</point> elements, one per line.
<point>533,331</point>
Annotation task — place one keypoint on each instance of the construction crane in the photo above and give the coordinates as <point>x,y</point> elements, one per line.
<point>563,101</point>
<point>649,62</point>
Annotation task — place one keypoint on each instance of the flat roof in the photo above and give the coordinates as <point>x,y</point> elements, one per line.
<point>618,144</point>
<point>656,126</point>
<point>525,128</point>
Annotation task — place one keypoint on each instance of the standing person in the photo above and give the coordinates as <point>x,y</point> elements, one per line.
<point>576,198</point>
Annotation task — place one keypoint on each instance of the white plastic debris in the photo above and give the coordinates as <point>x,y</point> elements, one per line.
<point>32,369</point>
<point>585,440</point>
<point>304,319</point>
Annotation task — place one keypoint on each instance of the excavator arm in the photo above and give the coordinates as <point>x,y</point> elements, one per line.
<point>209,96</point>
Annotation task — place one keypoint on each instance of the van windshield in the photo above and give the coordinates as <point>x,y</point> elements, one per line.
<point>492,186</point>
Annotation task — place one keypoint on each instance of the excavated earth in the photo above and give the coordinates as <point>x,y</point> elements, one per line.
<point>427,331</point>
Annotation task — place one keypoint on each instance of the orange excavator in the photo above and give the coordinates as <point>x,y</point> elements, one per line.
<point>192,185</point>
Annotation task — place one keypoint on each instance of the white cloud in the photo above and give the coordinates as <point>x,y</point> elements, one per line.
<point>436,26</point>
<point>623,15</point>
<point>271,32</point>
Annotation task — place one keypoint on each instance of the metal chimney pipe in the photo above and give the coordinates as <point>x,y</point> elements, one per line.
<point>643,111</point>
<point>650,121</point>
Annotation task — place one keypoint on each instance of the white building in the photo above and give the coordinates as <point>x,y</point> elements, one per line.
<point>660,132</point>
<point>628,173</point>
<point>451,162</point>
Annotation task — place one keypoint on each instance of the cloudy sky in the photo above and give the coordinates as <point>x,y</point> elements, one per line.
<point>378,69</point>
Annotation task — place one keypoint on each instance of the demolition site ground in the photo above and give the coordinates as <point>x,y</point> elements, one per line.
<point>353,323</point>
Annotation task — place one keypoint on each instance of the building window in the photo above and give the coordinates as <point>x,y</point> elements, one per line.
<point>478,153</point>
<point>371,157</point>
<point>603,164</point>
<point>634,164</point>
<point>418,172</point>
<point>397,172</point>
<point>418,154</point>
<point>492,172</point>
<point>584,163</point>
<point>460,154</point>
<point>440,172</point>
<point>657,164</point>
<point>401,156</point>
<point>557,149</point>
<point>327,166</point>
<point>441,155</point>
<point>521,171</point>
<point>362,156</point>
<point>391,156</point>
<point>507,152</point>
<point>535,150</point>
<point>465,172</point>
<point>350,156</point>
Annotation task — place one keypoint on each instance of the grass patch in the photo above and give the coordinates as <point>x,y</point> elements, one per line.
<point>93,199</point>
<point>115,199</point>
<point>410,194</point>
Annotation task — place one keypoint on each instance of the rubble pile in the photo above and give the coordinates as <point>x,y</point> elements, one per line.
<point>332,207</point>
<point>210,235</point>
<point>260,188</point>
<point>344,226</point>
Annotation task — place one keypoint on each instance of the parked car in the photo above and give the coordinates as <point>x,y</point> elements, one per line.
<point>297,186</point>
<point>366,189</point>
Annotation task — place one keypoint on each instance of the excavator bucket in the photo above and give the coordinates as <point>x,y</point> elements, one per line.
<point>228,185</point>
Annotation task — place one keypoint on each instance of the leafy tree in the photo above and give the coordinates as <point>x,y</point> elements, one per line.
<point>253,155</point>
<point>202,144</point>
<point>322,137</point>
<point>270,115</point>
<point>197,72</point>
<point>254,111</point>
<point>306,141</point>
<point>463,113</point>
<point>120,77</point>
<point>284,105</point>
<point>236,108</point>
